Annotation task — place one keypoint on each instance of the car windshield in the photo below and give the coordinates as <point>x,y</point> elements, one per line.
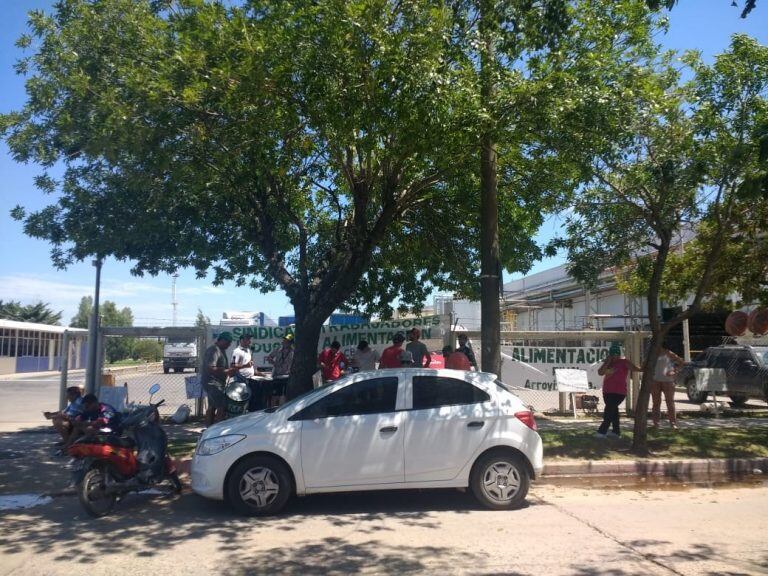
<point>762,354</point>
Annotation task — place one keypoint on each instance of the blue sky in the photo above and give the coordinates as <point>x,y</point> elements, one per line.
<point>26,272</point>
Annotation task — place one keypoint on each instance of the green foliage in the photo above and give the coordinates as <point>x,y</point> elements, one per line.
<point>117,348</point>
<point>202,321</point>
<point>38,313</point>
<point>148,350</point>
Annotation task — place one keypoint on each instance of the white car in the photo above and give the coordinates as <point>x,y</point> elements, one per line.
<point>380,430</point>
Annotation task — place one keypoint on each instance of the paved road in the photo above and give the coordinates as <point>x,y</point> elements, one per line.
<point>563,531</point>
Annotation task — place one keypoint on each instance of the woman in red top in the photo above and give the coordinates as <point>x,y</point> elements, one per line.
<point>615,371</point>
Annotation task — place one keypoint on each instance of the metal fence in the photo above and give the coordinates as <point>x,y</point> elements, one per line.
<point>525,353</point>
<point>132,383</point>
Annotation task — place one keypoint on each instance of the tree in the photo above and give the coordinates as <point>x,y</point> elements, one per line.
<point>202,321</point>
<point>148,350</point>
<point>323,136</point>
<point>117,348</point>
<point>691,157</point>
<point>81,319</point>
<point>39,313</point>
<point>749,5</point>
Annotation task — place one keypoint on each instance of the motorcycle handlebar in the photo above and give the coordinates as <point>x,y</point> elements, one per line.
<point>159,403</point>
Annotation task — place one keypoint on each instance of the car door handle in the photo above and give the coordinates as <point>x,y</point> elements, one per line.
<point>388,429</point>
<point>475,424</point>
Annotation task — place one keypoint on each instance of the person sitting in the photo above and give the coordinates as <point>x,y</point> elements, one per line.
<point>96,417</point>
<point>62,419</point>
<point>455,360</point>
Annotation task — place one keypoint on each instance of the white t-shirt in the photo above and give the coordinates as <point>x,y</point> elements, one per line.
<point>665,369</point>
<point>365,359</point>
<point>243,356</point>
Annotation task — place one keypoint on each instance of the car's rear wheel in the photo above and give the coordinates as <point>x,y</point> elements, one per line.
<point>693,394</point>
<point>738,400</point>
<point>500,481</point>
<point>166,370</point>
<point>259,486</point>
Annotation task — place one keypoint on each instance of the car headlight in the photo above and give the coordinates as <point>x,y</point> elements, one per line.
<point>216,445</point>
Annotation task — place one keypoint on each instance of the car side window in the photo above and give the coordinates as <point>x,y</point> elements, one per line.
<point>435,391</point>
<point>372,396</point>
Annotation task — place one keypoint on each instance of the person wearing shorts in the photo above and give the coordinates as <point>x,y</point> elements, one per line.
<point>214,377</point>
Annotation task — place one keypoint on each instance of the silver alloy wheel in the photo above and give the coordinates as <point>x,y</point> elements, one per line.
<point>501,481</point>
<point>259,487</point>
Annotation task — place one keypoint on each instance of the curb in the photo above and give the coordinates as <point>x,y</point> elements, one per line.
<point>699,469</point>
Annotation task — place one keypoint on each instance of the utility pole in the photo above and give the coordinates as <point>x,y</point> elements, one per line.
<point>490,266</point>
<point>91,377</point>
<point>174,303</point>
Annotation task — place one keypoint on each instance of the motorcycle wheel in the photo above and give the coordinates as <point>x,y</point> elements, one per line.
<point>175,482</point>
<point>92,493</point>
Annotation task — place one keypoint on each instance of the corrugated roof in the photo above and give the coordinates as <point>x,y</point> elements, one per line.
<point>38,327</point>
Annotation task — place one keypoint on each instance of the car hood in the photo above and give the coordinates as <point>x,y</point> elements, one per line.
<point>240,425</point>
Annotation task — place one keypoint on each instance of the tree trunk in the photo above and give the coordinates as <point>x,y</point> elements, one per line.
<point>306,337</point>
<point>490,354</point>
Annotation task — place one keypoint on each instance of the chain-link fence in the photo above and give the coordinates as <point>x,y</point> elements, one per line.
<point>529,360</point>
<point>122,385</point>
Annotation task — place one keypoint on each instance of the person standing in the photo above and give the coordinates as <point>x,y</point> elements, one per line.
<point>214,377</point>
<point>392,356</point>
<point>455,360</point>
<point>466,348</point>
<point>332,362</point>
<point>365,358</point>
<point>418,349</point>
<point>242,361</point>
<point>281,360</point>
<point>664,374</point>
<point>615,370</point>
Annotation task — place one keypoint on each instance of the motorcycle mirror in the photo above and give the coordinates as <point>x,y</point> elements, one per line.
<point>154,389</point>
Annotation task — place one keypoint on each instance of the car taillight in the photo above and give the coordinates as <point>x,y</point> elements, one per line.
<point>526,417</point>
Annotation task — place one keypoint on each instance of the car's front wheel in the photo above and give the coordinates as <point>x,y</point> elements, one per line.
<point>500,481</point>
<point>259,486</point>
<point>693,394</point>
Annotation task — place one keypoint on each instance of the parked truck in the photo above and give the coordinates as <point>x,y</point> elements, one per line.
<point>178,355</point>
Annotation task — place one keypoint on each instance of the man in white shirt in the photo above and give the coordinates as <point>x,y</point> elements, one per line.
<point>241,358</point>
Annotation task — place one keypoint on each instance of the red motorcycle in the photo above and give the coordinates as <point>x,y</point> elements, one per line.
<point>108,466</point>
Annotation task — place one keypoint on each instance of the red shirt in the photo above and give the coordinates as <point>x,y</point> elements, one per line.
<point>457,361</point>
<point>332,363</point>
<point>390,358</point>
<point>615,378</point>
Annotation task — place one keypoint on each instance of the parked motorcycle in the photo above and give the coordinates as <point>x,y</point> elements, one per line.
<point>108,466</point>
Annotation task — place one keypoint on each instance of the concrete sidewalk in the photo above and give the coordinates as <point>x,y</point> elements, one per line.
<point>30,463</point>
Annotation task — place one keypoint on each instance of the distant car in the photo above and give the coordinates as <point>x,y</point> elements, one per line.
<point>746,372</point>
<point>379,430</point>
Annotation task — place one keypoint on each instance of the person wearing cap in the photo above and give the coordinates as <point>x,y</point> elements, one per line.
<point>466,349</point>
<point>281,360</point>
<point>214,377</point>
<point>421,356</point>
<point>391,357</point>
<point>615,371</point>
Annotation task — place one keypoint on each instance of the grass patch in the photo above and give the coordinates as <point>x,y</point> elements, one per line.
<point>581,444</point>
<point>181,448</point>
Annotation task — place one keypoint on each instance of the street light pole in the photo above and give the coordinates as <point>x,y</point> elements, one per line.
<point>93,336</point>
